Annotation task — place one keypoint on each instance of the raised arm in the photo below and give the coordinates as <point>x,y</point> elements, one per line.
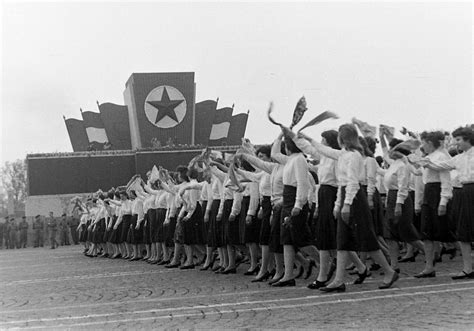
<point>276,151</point>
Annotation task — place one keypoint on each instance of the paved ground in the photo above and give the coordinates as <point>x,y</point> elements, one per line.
<point>62,289</point>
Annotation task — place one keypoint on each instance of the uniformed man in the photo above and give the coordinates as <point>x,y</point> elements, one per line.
<point>23,232</point>
<point>52,229</point>
<point>38,227</point>
<point>63,231</point>
<point>12,231</point>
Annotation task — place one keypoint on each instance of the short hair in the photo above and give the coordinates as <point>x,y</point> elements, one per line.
<point>246,166</point>
<point>466,133</point>
<point>265,149</point>
<point>124,193</point>
<point>331,138</point>
<point>379,160</point>
<point>371,144</point>
<point>192,174</point>
<point>365,147</point>
<point>435,137</point>
<point>183,172</point>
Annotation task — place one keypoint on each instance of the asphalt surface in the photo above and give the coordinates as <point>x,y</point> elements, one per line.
<point>62,289</point>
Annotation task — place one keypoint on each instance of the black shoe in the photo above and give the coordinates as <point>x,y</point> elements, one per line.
<point>215,268</point>
<point>317,285</point>
<point>340,288</point>
<point>229,271</point>
<point>362,277</point>
<point>384,285</point>
<point>285,283</point>
<point>263,278</point>
<point>407,259</point>
<point>172,266</point>
<point>252,272</point>
<point>464,275</point>
<point>135,259</point>
<point>374,267</point>
<point>163,262</point>
<point>184,267</point>
<point>426,275</point>
<point>220,270</point>
<point>273,281</point>
<point>312,264</point>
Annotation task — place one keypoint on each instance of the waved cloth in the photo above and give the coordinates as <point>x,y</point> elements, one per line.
<point>193,234</point>
<point>326,226</point>
<point>169,230</point>
<point>400,228</point>
<point>265,229</point>
<point>358,234</point>
<point>225,220</point>
<point>214,230</point>
<point>434,227</point>
<point>466,215</point>
<point>377,213</point>
<point>125,227</point>
<point>294,230</point>
<point>275,227</point>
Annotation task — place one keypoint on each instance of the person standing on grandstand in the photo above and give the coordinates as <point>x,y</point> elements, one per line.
<point>38,227</point>
<point>52,229</point>
<point>23,232</point>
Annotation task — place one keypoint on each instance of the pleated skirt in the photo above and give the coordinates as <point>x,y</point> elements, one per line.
<point>358,233</point>
<point>433,226</point>
<point>193,234</point>
<point>265,228</point>
<point>465,226</point>
<point>160,217</point>
<point>400,228</point>
<point>294,230</point>
<point>326,226</point>
<point>126,219</point>
<point>214,230</point>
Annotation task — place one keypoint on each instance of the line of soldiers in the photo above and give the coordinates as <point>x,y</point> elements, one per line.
<point>15,235</point>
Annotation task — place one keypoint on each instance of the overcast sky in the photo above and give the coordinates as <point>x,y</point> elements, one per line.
<point>392,63</point>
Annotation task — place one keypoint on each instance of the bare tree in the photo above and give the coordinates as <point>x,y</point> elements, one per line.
<point>13,176</point>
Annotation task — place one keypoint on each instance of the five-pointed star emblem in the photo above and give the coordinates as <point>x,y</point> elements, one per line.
<point>166,107</point>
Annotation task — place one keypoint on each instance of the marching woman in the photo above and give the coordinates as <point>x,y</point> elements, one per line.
<point>82,227</point>
<point>264,179</point>
<point>437,193</point>
<point>464,164</point>
<point>98,226</point>
<point>147,200</point>
<point>327,195</point>
<point>156,226</point>
<point>355,230</point>
<point>109,247</point>
<point>125,215</point>
<point>116,227</point>
<point>136,230</point>
<point>400,210</point>
<point>295,231</point>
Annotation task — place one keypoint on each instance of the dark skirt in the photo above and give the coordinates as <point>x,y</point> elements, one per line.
<point>153,225</point>
<point>275,246</point>
<point>265,228</point>
<point>110,232</point>
<point>358,233</point>
<point>326,226</point>
<point>242,221</point>
<point>294,230</point>
<point>125,227</point>
<point>455,210</point>
<point>400,228</point>
<point>89,231</point>
<point>116,235</point>
<point>134,234</point>
<point>225,220</point>
<point>169,230</point>
<point>146,229</point>
<point>214,230</point>
<point>160,217</point>
<point>416,217</point>
<point>233,231</point>
<point>193,228</point>
<point>434,227</point>
<point>98,232</point>
<point>466,215</point>
<point>312,221</point>
<point>377,213</point>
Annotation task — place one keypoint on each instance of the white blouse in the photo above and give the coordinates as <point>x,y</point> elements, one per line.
<point>397,178</point>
